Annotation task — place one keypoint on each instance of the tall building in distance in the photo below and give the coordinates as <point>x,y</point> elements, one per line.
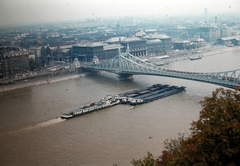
<point>205,11</point>
<point>205,14</point>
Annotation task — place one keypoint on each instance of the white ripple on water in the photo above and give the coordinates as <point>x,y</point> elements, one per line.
<point>38,126</point>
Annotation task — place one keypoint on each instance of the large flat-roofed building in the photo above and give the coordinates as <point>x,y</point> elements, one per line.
<point>108,49</point>
<point>13,62</point>
<point>236,41</point>
<point>137,46</point>
<point>165,44</point>
<point>157,45</point>
<point>225,40</point>
<point>154,47</point>
<point>87,50</point>
<point>200,42</point>
<point>181,45</point>
<point>233,40</point>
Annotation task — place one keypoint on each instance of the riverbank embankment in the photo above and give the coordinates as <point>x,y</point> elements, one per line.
<point>221,50</point>
<point>204,52</point>
<point>38,81</point>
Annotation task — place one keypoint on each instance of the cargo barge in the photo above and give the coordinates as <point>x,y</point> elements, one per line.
<point>149,94</point>
<point>134,97</point>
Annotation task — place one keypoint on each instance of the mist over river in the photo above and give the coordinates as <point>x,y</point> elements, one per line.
<point>32,133</point>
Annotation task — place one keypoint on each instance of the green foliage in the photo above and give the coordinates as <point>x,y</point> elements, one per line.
<point>33,64</point>
<point>146,161</point>
<point>214,136</point>
<point>172,145</point>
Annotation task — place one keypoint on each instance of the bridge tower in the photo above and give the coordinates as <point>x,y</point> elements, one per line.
<point>123,76</point>
<point>76,65</point>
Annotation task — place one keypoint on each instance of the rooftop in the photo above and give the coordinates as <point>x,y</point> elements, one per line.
<point>156,36</point>
<point>122,39</point>
<point>198,40</point>
<point>154,41</point>
<point>182,41</point>
<point>112,46</point>
<point>115,39</point>
<point>230,38</point>
<point>90,44</point>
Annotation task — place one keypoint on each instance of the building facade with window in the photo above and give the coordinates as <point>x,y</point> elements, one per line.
<point>165,45</point>
<point>13,62</point>
<point>85,52</point>
<point>108,49</point>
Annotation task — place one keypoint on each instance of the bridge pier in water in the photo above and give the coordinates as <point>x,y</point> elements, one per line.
<point>123,76</point>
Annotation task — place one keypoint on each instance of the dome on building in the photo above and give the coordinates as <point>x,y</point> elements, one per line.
<point>76,63</point>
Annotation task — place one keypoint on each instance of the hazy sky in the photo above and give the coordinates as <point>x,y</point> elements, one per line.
<point>33,11</point>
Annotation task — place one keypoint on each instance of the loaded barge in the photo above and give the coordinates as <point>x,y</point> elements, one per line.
<point>134,97</point>
<point>149,94</point>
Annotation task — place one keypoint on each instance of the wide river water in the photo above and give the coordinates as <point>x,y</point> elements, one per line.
<point>32,133</point>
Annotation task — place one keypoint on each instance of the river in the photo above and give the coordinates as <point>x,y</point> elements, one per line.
<point>32,133</point>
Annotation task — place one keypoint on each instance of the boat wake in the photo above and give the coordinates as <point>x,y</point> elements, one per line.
<point>131,107</point>
<point>44,124</point>
<point>38,126</point>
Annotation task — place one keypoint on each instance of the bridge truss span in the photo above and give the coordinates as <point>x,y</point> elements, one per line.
<point>125,63</point>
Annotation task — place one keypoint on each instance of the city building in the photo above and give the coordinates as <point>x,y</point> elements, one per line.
<point>137,46</point>
<point>199,42</point>
<point>165,45</point>
<point>58,53</point>
<point>13,62</point>
<point>236,41</point>
<point>181,45</point>
<point>229,41</point>
<point>154,47</point>
<point>224,40</point>
<point>148,45</point>
<point>209,33</point>
<point>86,51</point>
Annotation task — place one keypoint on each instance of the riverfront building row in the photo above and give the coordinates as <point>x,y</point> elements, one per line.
<point>149,45</point>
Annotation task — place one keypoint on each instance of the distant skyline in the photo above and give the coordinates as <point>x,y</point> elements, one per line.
<point>14,12</point>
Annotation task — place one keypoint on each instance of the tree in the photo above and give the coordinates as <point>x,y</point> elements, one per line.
<point>216,134</point>
<point>147,161</point>
<point>33,64</point>
<point>168,156</point>
<point>214,138</point>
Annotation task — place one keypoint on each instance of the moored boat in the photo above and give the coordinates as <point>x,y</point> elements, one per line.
<point>196,57</point>
<point>161,63</point>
